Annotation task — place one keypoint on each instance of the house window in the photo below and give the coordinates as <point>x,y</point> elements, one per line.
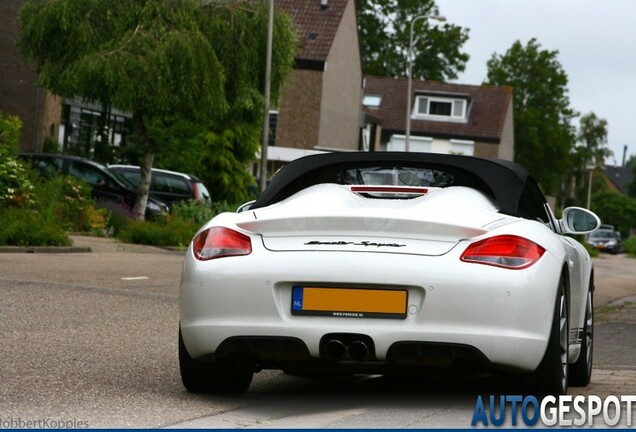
<point>372,101</point>
<point>440,107</point>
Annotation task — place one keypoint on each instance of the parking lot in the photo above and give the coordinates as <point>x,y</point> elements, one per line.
<point>92,337</point>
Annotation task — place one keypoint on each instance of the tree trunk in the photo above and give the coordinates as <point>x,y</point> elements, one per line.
<point>149,146</point>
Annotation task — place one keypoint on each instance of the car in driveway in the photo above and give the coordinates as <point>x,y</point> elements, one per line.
<point>106,186</point>
<point>168,186</point>
<point>606,240</point>
<point>390,262</point>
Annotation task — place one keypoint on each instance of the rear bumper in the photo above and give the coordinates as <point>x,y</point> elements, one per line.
<point>503,316</point>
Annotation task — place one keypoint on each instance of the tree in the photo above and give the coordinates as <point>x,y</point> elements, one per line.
<point>544,137</point>
<point>161,60</point>
<point>591,153</point>
<point>616,209</point>
<point>593,135</point>
<point>384,30</point>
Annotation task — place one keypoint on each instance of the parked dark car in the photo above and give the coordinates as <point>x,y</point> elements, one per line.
<point>606,240</point>
<point>168,186</point>
<point>107,186</point>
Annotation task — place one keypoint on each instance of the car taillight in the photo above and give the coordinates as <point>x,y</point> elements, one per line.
<point>197,194</point>
<point>220,242</point>
<point>505,251</point>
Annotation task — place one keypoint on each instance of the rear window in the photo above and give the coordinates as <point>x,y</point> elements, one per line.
<point>132,176</point>
<point>171,184</point>
<point>396,176</point>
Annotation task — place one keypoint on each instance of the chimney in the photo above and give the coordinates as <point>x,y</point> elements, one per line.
<point>324,4</point>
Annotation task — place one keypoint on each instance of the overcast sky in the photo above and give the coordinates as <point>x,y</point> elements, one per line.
<point>596,40</point>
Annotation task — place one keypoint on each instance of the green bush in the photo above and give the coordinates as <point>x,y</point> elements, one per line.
<point>117,215</point>
<point>68,199</point>
<point>16,189</point>
<point>173,231</point>
<point>630,245</point>
<point>177,229</point>
<point>10,127</point>
<point>199,212</point>
<point>26,227</point>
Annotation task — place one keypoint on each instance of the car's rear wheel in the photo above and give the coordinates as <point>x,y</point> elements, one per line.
<point>581,371</point>
<point>229,376</point>
<point>551,377</point>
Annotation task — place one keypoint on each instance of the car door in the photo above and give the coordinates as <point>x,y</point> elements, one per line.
<point>535,207</point>
<point>104,188</point>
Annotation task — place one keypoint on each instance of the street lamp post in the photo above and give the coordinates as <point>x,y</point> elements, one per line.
<point>591,168</point>
<point>407,142</point>
<point>268,74</point>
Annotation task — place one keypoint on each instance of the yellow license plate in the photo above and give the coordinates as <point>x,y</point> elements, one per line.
<point>349,302</point>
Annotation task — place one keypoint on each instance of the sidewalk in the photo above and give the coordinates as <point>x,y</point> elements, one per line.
<point>614,370</point>
<point>110,245</point>
<point>86,244</point>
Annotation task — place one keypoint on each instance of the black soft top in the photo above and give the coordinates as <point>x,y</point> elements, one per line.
<point>506,182</point>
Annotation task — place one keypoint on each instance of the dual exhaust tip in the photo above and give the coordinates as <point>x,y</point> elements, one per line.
<point>337,350</point>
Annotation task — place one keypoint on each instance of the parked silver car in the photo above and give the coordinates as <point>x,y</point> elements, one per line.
<point>168,186</point>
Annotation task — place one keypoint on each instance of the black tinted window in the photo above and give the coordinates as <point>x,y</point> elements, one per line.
<point>131,176</point>
<point>88,173</point>
<point>170,184</point>
<point>532,204</point>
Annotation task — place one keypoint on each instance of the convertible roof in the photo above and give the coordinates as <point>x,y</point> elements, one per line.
<point>504,181</point>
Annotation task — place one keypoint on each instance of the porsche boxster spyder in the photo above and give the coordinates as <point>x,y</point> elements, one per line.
<point>380,262</point>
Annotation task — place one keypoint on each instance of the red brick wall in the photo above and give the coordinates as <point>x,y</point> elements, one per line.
<point>19,93</point>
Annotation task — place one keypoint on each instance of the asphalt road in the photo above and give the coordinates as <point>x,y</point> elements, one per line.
<point>91,337</point>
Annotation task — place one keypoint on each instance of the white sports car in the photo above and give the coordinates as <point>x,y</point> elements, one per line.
<point>383,262</point>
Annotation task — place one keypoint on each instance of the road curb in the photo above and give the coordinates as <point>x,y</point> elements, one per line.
<point>44,249</point>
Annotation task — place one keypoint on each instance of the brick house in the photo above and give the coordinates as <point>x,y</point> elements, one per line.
<point>20,95</point>
<point>319,108</point>
<point>445,118</point>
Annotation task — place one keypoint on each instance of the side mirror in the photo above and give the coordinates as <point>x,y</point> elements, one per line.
<point>577,220</point>
<point>245,206</point>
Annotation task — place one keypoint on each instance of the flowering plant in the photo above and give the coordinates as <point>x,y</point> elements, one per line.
<point>16,189</point>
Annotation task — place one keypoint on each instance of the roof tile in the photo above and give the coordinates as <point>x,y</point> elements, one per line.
<point>316,25</point>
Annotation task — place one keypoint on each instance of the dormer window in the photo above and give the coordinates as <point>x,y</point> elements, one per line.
<point>440,108</point>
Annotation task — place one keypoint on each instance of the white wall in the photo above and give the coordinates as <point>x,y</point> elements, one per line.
<point>430,145</point>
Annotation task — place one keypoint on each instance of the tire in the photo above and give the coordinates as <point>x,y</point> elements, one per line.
<point>551,377</point>
<point>581,371</point>
<point>223,376</point>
